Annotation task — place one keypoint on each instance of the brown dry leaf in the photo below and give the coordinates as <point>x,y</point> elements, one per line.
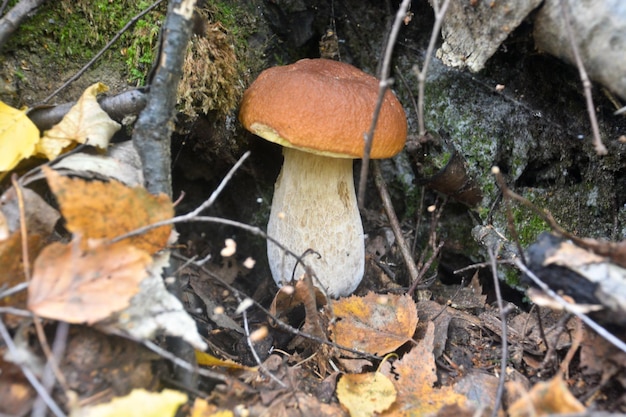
<point>12,267</point>
<point>85,122</point>
<point>376,324</point>
<point>105,210</point>
<point>79,286</point>
<point>414,376</point>
<point>365,394</point>
<point>545,398</point>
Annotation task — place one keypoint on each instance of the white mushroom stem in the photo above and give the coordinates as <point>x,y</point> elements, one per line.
<point>314,207</point>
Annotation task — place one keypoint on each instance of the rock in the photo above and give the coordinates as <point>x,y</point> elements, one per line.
<point>600,32</point>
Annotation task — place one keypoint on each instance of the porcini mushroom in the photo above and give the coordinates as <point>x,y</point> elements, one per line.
<point>319,110</point>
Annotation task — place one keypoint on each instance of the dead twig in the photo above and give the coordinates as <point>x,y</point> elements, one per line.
<point>584,78</point>
<point>395,224</point>
<point>493,255</point>
<point>52,364</point>
<point>384,83</point>
<point>88,65</point>
<point>440,12</point>
<point>571,308</point>
<point>28,373</point>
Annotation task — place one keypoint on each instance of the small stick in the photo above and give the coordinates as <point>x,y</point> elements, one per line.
<point>385,81</point>
<point>504,330</point>
<point>30,376</point>
<point>572,308</point>
<point>395,224</point>
<point>597,141</point>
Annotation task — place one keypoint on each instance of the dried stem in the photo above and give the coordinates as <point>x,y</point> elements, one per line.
<point>407,254</point>
<point>30,376</point>
<point>493,255</point>
<point>385,82</point>
<point>572,308</point>
<point>440,12</point>
<point>597,141</point>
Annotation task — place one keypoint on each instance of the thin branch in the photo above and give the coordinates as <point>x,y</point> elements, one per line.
<point>440,12</point>
<point>30,376</point>
<point>256,355</point>
<point>504,330</point>
<point>597,141</point>
<point>385,82</point>
<point>405,250</point>
<point>102,51</point>
<point>572,308</point>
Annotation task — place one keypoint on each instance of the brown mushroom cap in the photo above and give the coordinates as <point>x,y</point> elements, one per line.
<point>325,107</point>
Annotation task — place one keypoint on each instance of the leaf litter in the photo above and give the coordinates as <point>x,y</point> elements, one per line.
<point>334,361</point>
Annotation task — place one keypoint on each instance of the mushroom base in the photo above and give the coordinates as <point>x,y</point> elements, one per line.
<point>314,208</point>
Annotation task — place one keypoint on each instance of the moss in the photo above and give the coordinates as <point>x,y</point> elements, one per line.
<point>67,32</point>
<point>216,61</point>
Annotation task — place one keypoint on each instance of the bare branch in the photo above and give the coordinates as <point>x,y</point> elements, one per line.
<point>385,82</point>
<point>597,141</point>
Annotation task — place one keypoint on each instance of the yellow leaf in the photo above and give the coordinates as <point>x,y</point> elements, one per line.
<point>205,359</point>
<point>201,408</point>
<point>18,136</point>
<point>85,122</point>
<point>139,403</point>
<point>366,394</point>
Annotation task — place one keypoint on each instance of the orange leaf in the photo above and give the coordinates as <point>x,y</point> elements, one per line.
<point>105,210</point>
<point>414,376</point>
<point>79,286</point>
<point>376,324</point>
<point>547,398</point>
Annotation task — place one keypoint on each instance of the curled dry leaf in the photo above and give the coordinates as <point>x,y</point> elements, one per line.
<point>376,324</point>
<point>85,122</point>
<point>79,286</point>
<point>105,210</point>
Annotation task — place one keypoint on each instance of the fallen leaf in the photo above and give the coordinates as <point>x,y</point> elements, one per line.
<point>41,218</point>
<point>414,376</point>
<point>12,267</point>
<point>86,122</point>
<point>139,403</point>
<point>204,359</point>
<point>365,394</point>
<point>79,286</point>
<point>154,311</point>
<point>546,398</point>
<point>376,324</point>
<point>18,136</point>
<point>201,408</point>
<point>105,210</point>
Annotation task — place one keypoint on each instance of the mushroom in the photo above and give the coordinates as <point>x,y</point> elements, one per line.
<point>319,110</point>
